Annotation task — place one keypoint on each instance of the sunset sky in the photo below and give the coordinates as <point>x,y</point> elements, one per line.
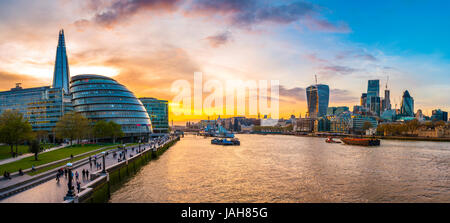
<point>147,45</point>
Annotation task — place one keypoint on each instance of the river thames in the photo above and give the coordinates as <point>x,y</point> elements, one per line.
<point>277,168</point>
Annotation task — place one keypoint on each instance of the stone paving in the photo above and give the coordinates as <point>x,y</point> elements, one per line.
<point>53,192</point>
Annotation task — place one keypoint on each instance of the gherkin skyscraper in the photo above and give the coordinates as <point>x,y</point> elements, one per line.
<point>61,73</point>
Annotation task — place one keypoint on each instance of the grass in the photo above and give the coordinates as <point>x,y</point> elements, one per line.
<point>5,151</point>
<point>48,157</point>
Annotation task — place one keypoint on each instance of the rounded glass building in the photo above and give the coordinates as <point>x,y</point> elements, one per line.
<point>102,98</point>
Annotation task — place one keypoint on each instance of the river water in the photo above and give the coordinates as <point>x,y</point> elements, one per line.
<point>277,168</point>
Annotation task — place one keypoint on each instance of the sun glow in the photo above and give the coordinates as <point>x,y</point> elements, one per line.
<point>105,71</point>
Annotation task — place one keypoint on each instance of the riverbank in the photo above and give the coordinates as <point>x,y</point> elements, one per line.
<point>104,183</point>
<point>409,138</point>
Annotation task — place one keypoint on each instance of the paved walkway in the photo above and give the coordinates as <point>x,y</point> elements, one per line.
<point>9,160</point>
<point>53,192</point>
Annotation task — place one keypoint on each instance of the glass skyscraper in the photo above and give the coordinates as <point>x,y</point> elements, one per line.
<point>43,106</point>
<point>373,100</point>
<point>61,72</point>
<point>102,98</point>
<point>158,110</point>
<point>317,97</point>
<point>407,108</point>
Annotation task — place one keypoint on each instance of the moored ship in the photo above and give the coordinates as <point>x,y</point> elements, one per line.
<point>361,141</point>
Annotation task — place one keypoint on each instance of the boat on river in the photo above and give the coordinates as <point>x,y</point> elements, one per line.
<point>226,142</point>
<point>361,141</point>
<point>331,140</point>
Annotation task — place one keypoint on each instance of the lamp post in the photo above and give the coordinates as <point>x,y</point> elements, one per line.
<point>104,166</point>
<point>70,192</point>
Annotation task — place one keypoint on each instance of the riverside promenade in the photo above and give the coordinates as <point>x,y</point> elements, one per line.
<point>48,190</point>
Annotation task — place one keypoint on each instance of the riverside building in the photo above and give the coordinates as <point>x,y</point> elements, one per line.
<point>102,98</point>
<point>158,111</point>
<point>43,106</point>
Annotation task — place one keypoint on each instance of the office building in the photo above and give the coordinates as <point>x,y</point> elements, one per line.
<point>439,115</point>
<point>407,108</point>
<point>158,111</point>
<point>317,97</point>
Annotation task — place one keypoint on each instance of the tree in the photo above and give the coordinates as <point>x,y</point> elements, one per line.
<point>412,125</point>
<point>115,130</point>
<point>72,126</point>
<point>42,135</point>
<point>35,147</point>
<point>101,129</point>
<point>367,125</point>
<point>14,129</point>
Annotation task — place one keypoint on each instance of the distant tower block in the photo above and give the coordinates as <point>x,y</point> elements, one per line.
<point>61,73</point>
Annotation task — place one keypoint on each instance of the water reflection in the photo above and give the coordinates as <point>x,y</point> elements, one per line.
<point>293,169</point>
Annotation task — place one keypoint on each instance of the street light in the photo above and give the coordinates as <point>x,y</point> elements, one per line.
<point>104,167</point>
<point>70,192</point>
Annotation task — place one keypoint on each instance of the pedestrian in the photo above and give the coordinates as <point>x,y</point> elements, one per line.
<point>65,173</point>
<point>76,175</point>
<point>71,156</point>
<point>78,186</point>
<point>57,177</point>
<point>87,174</point>
<point>84,173</point>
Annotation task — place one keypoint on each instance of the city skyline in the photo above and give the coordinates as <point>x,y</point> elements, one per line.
<point>141,48</point>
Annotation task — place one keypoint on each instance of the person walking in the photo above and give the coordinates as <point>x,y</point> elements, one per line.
<point>57,177</point>
<point>78,186</point>
<point>76,175</point>
<point>87,174</point>
<point>84,173</point>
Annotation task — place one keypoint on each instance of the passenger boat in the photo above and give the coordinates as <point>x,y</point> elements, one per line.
<point>226,142</point>
<point>361,141</point>
<point>330,140</point>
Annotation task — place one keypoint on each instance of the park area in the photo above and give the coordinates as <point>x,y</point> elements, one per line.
<point>50,156</point>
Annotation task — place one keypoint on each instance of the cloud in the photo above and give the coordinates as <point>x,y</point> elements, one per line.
<point>219,39</point>
<point>246,13</point>
<point>237,13</point>
<point>119,10</point>
<point>339,95</point>
<point>8,81</point>
<point>326,26</point>
<point>336,69</point>
<point>366,56</point>
<point>297,93</point>
<point>314,59</point>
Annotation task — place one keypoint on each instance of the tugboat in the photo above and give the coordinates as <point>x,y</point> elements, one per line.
<point>361,142</point>
<point>330,140</point>
<point>226,142</point>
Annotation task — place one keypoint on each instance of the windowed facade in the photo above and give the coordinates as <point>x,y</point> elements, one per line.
<point>42,106</point>
<point>102,98</point>
<point>158,110</point>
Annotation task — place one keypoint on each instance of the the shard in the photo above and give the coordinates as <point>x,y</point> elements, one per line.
<point>61,73</point>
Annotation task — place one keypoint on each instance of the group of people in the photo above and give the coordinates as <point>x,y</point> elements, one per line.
<point>98,165</point>
<point>7,175</point>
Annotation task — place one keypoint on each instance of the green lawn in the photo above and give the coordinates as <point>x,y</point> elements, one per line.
<point>48,157</point>
<point>5,151</point>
